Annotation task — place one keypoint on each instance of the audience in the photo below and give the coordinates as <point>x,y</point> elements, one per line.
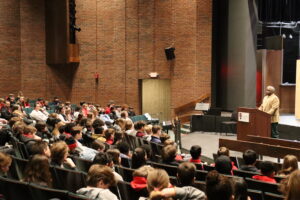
<point>218,187</point>
<point>240,189</point>
<point>293,185</point>
<point>223,151</point>
<point>223,165</point>
<point>195,152</point>
<point>59,155</point>
<point>5,162</point>
<point>99,179</point>
<point>139,158</point>
<point>169,154</point>
<point>267,172</point>
<point>249,157</point>
<point>186,172</point>
<point>290,164</point>
<point>41,148</point>
<point>139,127</point>
<point>156,132</point>
<point>139,181</point>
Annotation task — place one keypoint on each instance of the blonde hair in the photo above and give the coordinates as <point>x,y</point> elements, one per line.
<point>148,129</point>
<point>157,179</point>
<point>290,164</point>
<point>5,159</point>
<point>143,171</point>
<point>293,185</point>
<point>58,151</point>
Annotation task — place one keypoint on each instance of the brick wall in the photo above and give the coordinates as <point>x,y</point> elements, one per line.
<point>122,40</point>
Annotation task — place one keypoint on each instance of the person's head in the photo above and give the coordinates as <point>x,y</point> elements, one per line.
<point>109,133</point>
<point>223,165</point>
<point>148,150</point>
<point>68,127</point>
<point>72,144</point>
<point>29,130</point>
<point>195,152</point>
<point>115,155</point>
<point>148,129</point>
<point>121,122</point>
<point>186,172</point>
<point>139,125</point>
<point>76,132</point>
<point>290,164</point>
<point>98,146</point>
<point>37,170</point>
<point>13,120</point>
<point>5,162</point>
<point>40,126</point>
<point>157,179</point>
<point>163,137</point>
<point>240,189</point>
<point>15,107</point>
<point>218,187</point>
<point>99,130</point>
<point>156,130</point>
<point>124,114</point>
<point>267,168</point>
<point>139,158</point>
<point>293,185</point>
<point>98,123</point>
<point>59,152</point>
<point>37,106</point>
<point>223,151</point>
<point>7,103</point>
<point>270,90</point>
<point>123,148</point>
<point>40,147</point>
<point>100,176</point>
<point>60,109</point>
<point>250,157</point>
<point>128,125</point>
<point>102,158</point>
<point>169,153</point>
<point>143,171</point>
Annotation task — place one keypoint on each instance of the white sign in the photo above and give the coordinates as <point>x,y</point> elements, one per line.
<point>243,117</point>
<point>202,106</point>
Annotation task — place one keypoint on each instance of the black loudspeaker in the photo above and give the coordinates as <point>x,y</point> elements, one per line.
<point>170,53</point>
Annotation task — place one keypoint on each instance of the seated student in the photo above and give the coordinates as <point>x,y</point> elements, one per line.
<point>218,187</point>
<point>290,164</point>
<point>59,155</point>
<point>38,114</point>
<point>249,157</point>
<point>5,162</point>
<point>240,189</point>
<point>124,150</point>
<point>37,171</point>
<point>139,182</point>
<point>99,134</point>
<point>293,185</point>
<point>223,165</point>
<point>129,129</point>
<point>99,179</point>
<point>42,131</point>
<point>169,154</point>
<point>139,127</point>
<point>120,124</point>
<point>186,172</point>
<point>267,172</point>
<point>105,159</point>
<point>148,131</point>
<point>109,135</point>
<point>195,152</point>
<point>118,137</point>
<point>98,146</point>
<point>139,158</point>
<point>225,151</point>
<point>28,136</point>
<point>159,188</point>
<point>164,137</point>
<point>40,147</point>
<point>115,155</point>
<point>156,132</point>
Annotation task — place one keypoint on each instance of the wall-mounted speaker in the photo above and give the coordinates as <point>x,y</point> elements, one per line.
<point>170,53</point>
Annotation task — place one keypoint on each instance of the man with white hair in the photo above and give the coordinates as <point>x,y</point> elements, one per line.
<point>270,105</point>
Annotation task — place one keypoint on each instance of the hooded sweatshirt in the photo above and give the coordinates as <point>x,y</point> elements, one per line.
<point>97,193</point>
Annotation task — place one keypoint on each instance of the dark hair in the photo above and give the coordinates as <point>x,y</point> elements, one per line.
<point>249,157</point>
<point>115,155</point>
<point>76,130</point>
<point>98,130</point>
<point>123,147</point>
<point>100,173</point>
<point>186,173</point>
<point>218,187</point>
<point>102,159</point>
<point>38,147</point>
<point>69,127</point>
<point>37,170</point>
<point>155,129</point>
<point>148,150</point>
<point>223,165</point>
<point>109,132</point>
<point>139,124</point>
<point>118,137</point>
<point>240,189</point>
<point>97,123</point>
<point>58,151</point>
<point>138,158</point>
<point>267,168</point>
<point>96,144</point>
<point>40,126</point>
<point>195,151</point>
<point>169,153</point>
<point>223,151</point>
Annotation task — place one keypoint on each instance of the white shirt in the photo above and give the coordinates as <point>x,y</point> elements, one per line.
<point>38,115</point>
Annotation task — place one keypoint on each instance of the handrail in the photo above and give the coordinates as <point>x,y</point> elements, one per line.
<point>191,105</point>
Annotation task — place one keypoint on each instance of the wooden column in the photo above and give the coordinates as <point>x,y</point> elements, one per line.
<point>297,99</point>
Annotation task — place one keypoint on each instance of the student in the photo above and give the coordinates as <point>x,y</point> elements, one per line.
<point>37,171</point>
<point>225,152</point>
<point>99,179</point>
<point>293,192</point>
<point>267,172</point>
<point>129,129</point>
<point>169,154</point>
<point>139,127</point>
<point>156,132</point>
<point>249,157</point>
<point>223,165</point>
<point>139,158</point>
<point>99,134</point>
<point>59,155</point>
<point>41,148</point>
<point>240,189</point>
<point>115,155</point>
<point>290,164</point>
<point>218,187</point>
<point>139,182</point>
<point>109,135</point>
<point>5,162</point>
<point>148,131</point>
<point>195,152</point>
<point>186,172</point>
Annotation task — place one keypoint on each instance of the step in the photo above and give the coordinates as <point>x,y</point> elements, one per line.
<point>187,126</point>
<point>185,130</point>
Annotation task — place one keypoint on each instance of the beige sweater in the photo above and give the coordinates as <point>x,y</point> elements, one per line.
<point>270,105</point>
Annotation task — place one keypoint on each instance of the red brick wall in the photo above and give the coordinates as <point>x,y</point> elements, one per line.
<point>122,40</point>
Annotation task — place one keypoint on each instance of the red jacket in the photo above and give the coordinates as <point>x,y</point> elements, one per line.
<point>138,183</point>
<point>264,178</point>
<point>197,161</point>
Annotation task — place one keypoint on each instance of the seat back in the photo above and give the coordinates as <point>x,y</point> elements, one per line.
<point>255,194</point>
<point>244,174</point>
<point>66,179</point>
<point>125,172</point>
<point>126,162</point>
<point>18,167</point>
<point>173,180</point>
<point>263,186</point>
<point>208,167</point>
<point>271,196</point>
<point>39,192</point>
<point>13,189</point>
<point>171,170</point>
<point>73,196</point>
<point>82,164</point>
<point>127,192</point>
<point>201,175</point>
<point>201,185</point>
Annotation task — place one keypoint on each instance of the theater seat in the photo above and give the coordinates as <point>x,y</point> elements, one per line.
<point>263,186</point>
<point>39,192</point>
<point>271,196</point>
<point>255,194</point>
<point>14,190</point>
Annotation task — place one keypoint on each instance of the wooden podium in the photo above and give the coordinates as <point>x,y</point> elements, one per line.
<point>252,121</point>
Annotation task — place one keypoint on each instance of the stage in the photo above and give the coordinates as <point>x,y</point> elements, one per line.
<point>289,119</point>
<point>289,127</point>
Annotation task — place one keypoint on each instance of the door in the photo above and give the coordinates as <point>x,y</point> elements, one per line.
<point>156,98</point>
